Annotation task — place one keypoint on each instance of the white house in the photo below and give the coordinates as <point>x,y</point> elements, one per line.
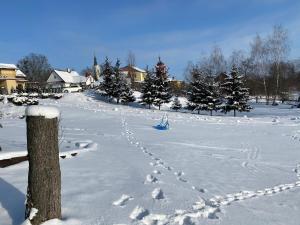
<point>62,79</point>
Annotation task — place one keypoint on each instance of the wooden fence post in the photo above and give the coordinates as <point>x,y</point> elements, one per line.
<point>44,177</point>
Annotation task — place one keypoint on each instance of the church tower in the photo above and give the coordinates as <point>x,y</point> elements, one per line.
<point>96,69</point>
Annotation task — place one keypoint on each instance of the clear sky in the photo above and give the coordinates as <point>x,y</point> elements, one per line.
<point>68,32</point>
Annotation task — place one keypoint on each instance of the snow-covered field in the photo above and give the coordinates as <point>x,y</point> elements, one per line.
<point>204,170</point>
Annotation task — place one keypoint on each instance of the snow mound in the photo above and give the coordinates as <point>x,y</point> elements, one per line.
<point>157,193</point>
<point>138,213</point>
<point>150,179</point>
<point>45,111</point>
<point>122,200</point>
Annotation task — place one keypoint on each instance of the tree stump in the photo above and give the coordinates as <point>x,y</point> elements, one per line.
<point>44,177</point>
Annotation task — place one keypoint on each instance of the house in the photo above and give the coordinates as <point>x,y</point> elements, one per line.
<point>133,74</point>
<point>60,79</point>
<point>11,78</point>
<point>177,86</point>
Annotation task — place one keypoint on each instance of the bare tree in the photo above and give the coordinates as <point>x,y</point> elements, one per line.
<point>214,64</point>
<point>130,59</point>
<point>278,48</point>
<point>259,59</point>
<point>188,71</point>
<point>217,61</point>
<point>131,64</point>
<point>237,59</point>
<point>35,66</point>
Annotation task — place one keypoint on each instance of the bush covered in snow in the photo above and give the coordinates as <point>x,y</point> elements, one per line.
<point>24,101</point>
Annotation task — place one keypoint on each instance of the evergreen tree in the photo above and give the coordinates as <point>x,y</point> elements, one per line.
<point>108,78</point>
<point>236,94</point>
<point>213,95</point>
<point>176,104</point>
<point>163,93</point>
<point>148,89</point>
<point>118,83</point>
<point>127,94</point>
<point>198,92</point>
<point>121,90</point>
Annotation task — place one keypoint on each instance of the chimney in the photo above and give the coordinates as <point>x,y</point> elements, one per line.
<point>69,70</point>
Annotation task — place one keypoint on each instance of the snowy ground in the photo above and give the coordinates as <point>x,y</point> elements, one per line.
<point>204,170</point>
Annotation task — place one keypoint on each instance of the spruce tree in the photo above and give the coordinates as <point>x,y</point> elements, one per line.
<point>213,95</point>
<point>176,104</point>
<point>236,95</point>
<point>161,83</point>
<point>148,89</point>
<point>121,90</point>
<point>198,92</point>
<point>108,78</point>
<point>118,82</point>
<point>127,94</point>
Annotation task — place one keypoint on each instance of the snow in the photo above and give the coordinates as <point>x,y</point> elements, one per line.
<point>19,73</point>
<point>70,76</point>
<point>7,66</point>
<point>47,112</point>
<point>210,169</point>
<point>122,200</point>
<point>157,193</point>
<point>138,213</point>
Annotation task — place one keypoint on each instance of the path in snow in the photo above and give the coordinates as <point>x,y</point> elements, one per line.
<point>201,208</point>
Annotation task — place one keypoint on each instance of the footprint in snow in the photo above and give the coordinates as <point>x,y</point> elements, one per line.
<point>202,190</point>
<point>150,179</point>
<point>179,173</point>
<point>157,194</point>
<point>181,179</point>
<point>156,172</point>
<point>122,200</point>
<point>138,213</point>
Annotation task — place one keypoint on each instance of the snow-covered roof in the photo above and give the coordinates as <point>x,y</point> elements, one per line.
<point>20,73</point>
<point>7,66</point>
<point>138,69</point>
<point>126,68</point>
<point>70,76</point>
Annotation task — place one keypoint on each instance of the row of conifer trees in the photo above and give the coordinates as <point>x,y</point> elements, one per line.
<point>203,92</point>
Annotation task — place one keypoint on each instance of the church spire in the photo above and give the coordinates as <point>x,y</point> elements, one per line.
<point>96,69</point>
<point>95,60</point>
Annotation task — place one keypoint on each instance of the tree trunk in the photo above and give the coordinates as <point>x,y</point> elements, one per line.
<point>44,177</point>
<point>210,112</point>
<point>266,92</point>
<point>277,83</point>
<point>234,113</point>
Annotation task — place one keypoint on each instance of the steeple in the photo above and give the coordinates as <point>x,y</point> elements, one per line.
<point>96,69</point>
<point>95,60</point>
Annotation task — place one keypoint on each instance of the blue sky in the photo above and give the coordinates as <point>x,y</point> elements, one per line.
<point>69,32</point>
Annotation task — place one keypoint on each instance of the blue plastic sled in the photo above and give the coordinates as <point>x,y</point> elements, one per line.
<point>164,123</point>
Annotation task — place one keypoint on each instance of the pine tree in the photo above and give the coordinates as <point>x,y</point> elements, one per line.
<point>148,89</point>
<point>176,104</point>
<point>108,78</point>
<point>198,92</point>
<point>118,82</point>
<point>236,94</point>
<point>127,94</point>
<point>163,93</point>
<point>213,95</point>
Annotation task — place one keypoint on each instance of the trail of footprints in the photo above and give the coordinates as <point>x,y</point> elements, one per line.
<point>157,162</point>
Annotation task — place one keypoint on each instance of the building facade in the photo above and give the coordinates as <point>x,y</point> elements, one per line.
<point>11,78</point>
<point>60,79</point>
<point>133,74</point>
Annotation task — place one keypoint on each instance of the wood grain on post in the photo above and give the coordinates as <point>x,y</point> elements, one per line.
<point>44,177</point>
